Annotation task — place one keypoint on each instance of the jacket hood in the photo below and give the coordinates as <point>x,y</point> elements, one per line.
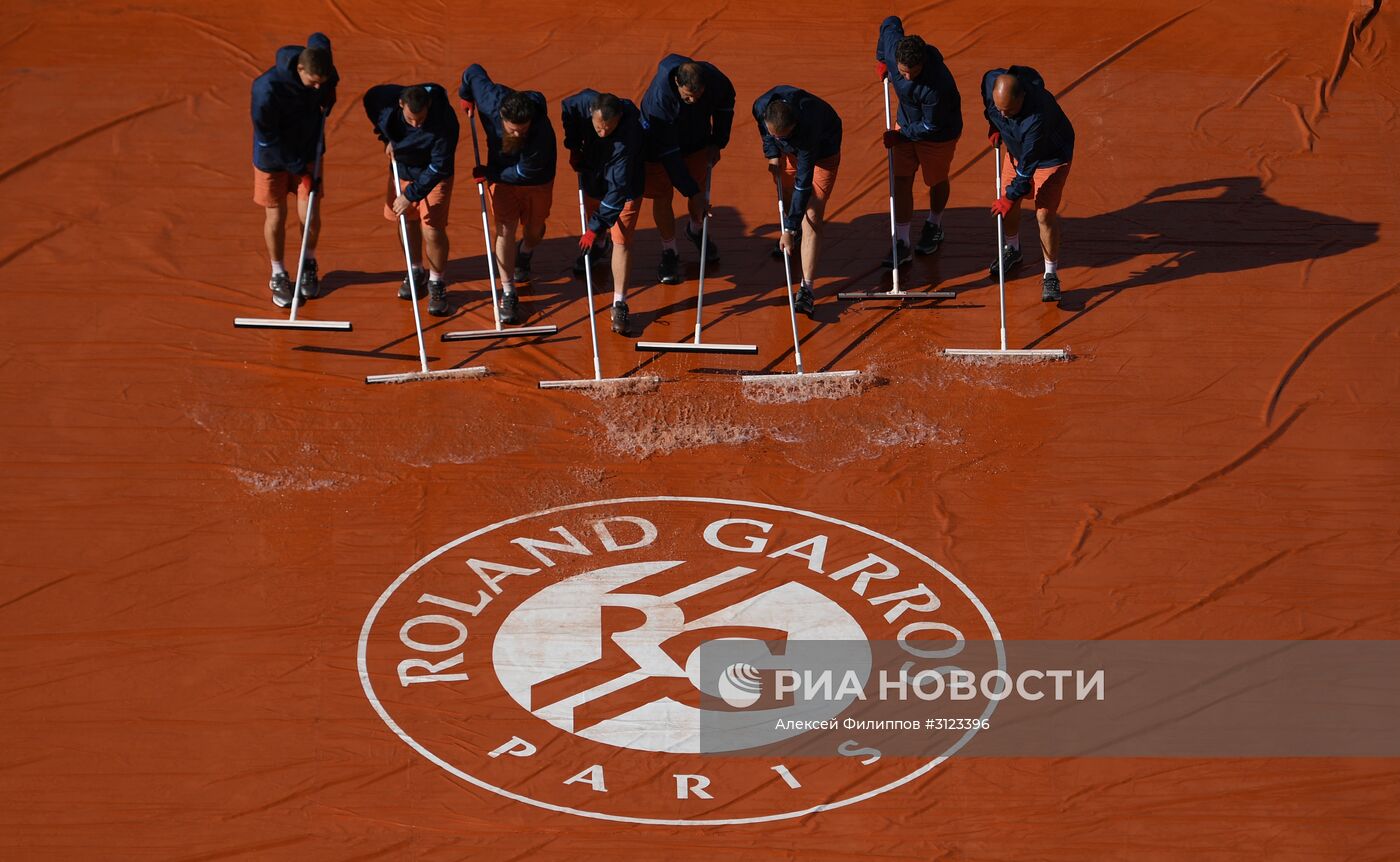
<point>287,57</point>
<point>672,61</point>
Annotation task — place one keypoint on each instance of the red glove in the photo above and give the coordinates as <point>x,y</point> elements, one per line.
<point>892,137</point>
<point>995,139</point>
<point>1002,207</point>
<point>585,242</point>
<point>479,173</point>
<point>880,69</point>
<point>576,161</point>
<point>468,107</point>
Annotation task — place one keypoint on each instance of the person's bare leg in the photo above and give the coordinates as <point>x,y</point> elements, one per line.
<point>1011,225</point>
<point>315,232</point>
<point>696,208</point>
<point>415,240</point>
<point>903,199</point>
<point>505,254</point>
<point>785,195</point>
<point>533,235</point>
<point>812,225</point>
<point>621,263</point>
<point>1012,222</point>
<point>435,248</point>
<point>938,197</point>
<point>664,213</point>
<point>274,231</point>
<point>1049,223</point>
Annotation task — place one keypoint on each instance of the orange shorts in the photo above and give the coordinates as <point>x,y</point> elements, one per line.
<point>659,182</point>
<point>431,210</point>
<point>271,189</point>
<point>823,177</point>
<point>1047,185</point>
<point>512,204</point>
<point>626,223</point>
<point>934,158</point>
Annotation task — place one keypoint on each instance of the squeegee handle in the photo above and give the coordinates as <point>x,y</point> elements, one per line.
<point>412,282</point>
<point>588,280</point>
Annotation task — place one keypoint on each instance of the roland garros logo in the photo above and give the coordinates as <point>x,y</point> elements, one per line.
<point>554,658</point>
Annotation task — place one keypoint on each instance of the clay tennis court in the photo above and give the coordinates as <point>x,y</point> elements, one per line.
<point>205,526</point>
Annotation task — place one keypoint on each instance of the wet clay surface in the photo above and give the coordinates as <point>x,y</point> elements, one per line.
<point>198,519</point>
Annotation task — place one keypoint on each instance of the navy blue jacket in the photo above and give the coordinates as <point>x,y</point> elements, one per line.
<point>534,164</point>
<point>1038,137</point>
<point>425,155</point>
<point>930,108</point>
<point>613,170</point>
<point>675,129</point>
<point>287,113</point>
<point>817,136</point>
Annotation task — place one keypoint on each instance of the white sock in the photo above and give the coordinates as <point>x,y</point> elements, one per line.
<point>690,227</point>
<point>669,244</point>
<point>902,232</point>
<point>1050,267</point>
<point>1014,242</point>
<point>507,286</point>
<point>278,268</point>
<point>618,297</point>
<point>935,219</point>
<point>434,275</point>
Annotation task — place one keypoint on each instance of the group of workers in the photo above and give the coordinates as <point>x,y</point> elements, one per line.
<point>624,152</point>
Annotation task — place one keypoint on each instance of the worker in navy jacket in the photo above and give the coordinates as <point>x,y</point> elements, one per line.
<point>604,137</point>
<point>1039,140</point>
<point>289,104</point>
<point>687,112</point>
<point>519,173</point>
<point>419,130</point>
<point>801,137</point>
<point>930,121</point>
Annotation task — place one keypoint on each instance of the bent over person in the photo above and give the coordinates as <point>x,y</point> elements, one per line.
<point>1039,141</point>
<point>603,135</point>
<point>801,137</point>
<point>519,173</point>
<point>290,103</point>
<point>930,122</point>
<point>688,112</point>
<point>419,131</point>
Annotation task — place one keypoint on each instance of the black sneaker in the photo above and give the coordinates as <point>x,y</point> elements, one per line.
<point>711,250</point>
<point>510,308</point>
<point>309,284</point>
<point>619,318</point>
<point>420,277</point>
<point>1011,257</point>
<point>905,255</point>
<point>522,266</point>
<point>1050,288</point>
<point>600,255</point>
<point>281,288</point>
<point>437,302</point>
<point>669,272</point>
<point>930,238</point>
<point>805,302</point>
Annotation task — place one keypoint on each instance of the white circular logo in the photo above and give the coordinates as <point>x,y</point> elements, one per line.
<point>741,685</point>
<point>558,658</point>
